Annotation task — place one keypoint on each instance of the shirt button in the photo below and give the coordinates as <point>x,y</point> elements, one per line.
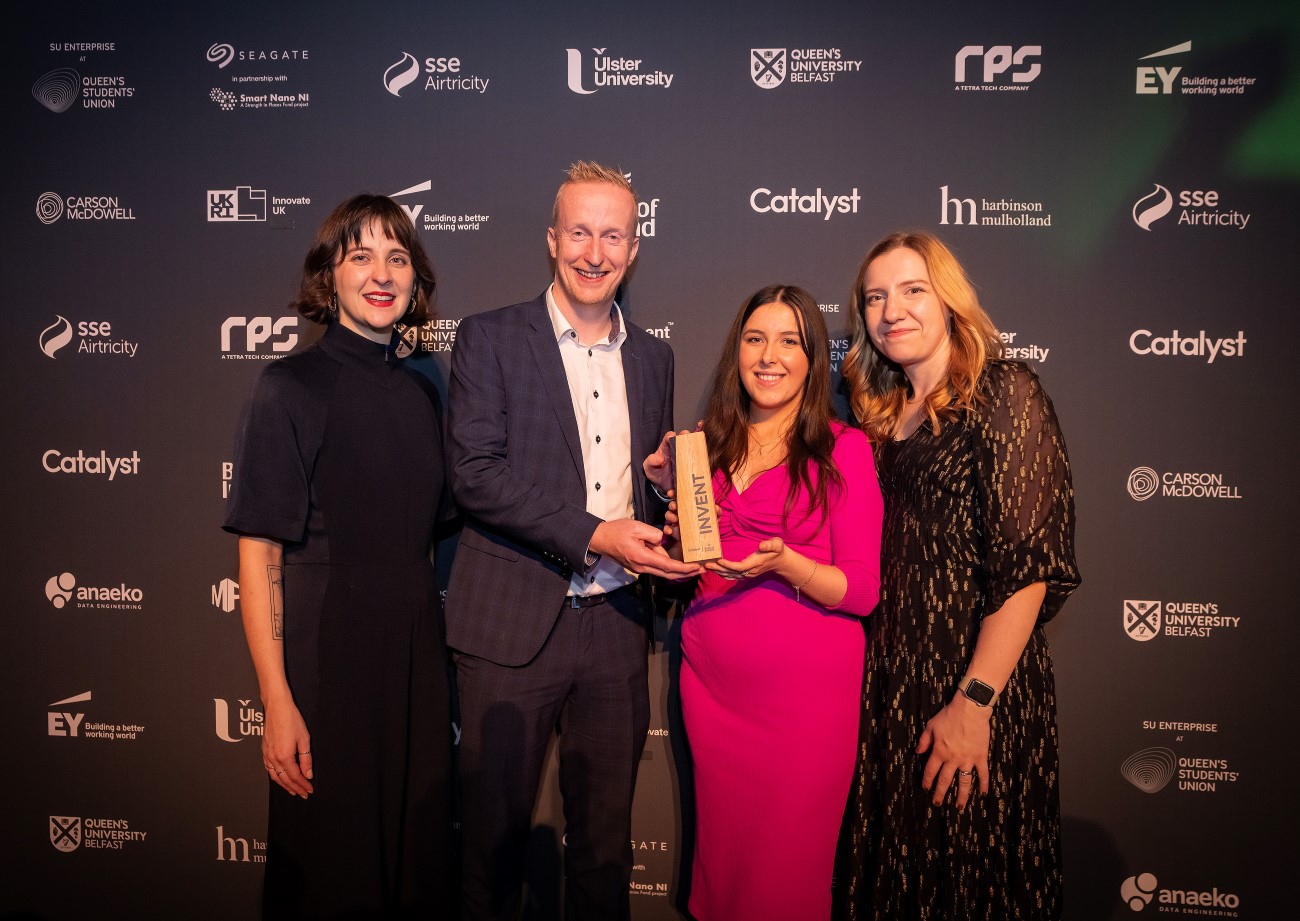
<point>598,487</point>
<point>588,353</point>
<point>597,439</point>
<point>572,334</point>
<point>596,394</point>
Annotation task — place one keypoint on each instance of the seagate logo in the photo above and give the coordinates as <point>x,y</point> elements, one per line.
<point>221,54</point>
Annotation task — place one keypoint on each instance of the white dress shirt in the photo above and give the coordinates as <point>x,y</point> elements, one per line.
<point>599,394</point>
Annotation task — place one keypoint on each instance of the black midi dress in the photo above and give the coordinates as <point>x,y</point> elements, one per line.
<point>972,514</point>
<point>340,458</point>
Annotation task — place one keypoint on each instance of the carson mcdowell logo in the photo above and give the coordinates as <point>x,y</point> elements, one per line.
<point>1143,483</point>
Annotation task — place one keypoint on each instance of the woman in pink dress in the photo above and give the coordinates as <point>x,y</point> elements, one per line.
<point>772,644</point>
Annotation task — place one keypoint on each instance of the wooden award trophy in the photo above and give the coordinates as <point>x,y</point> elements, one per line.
<point>697,515</point>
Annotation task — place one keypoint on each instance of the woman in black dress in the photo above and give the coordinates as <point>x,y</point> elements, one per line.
<point>955,812</point>
<point>337,488</point>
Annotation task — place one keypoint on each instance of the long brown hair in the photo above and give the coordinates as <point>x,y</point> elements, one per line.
<point>878,388</point>
<point>343,228</point>
<point>809,440</point>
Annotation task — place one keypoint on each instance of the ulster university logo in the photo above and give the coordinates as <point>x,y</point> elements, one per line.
<point>767,67</point>
<point>65,832</point>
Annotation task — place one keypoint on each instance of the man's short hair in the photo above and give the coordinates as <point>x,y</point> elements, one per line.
<point>590,171</point>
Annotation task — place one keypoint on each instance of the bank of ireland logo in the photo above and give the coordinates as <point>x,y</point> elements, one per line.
<point>65,832</point>
<point>1152,207</point>
<point>767,67</point>
<point>1142,619</point>
<point>49,207</point>
<point>402,74</point>
<point>55,336</point>
<point>221,54</point>
<point>1143,483</point>
<point>58,89</point>
<point>1137,891</point>
<point>58,589</point>
<point>1151,769</point>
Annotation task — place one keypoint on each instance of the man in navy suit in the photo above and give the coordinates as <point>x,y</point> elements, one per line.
<point>554,405</point>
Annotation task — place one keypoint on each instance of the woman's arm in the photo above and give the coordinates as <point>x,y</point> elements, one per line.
<point>957,737</point>
<point>286,744</point>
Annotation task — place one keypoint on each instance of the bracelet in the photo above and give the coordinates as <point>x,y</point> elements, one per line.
<point>798,588</point>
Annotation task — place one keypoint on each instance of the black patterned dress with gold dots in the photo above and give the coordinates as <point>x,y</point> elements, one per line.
<point>972,514</point>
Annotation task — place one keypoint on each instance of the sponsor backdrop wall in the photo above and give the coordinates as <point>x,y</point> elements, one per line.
<point>1123,185</point>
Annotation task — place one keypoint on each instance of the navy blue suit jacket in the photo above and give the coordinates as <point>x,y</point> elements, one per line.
<point>516,471</point>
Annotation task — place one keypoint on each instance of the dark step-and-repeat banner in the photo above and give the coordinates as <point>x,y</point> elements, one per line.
<point>1122,182</point>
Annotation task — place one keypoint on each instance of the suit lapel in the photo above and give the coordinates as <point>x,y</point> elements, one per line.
<point>552,380</point>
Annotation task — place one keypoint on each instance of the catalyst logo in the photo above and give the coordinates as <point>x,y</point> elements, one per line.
<point>250,722</point>
<point>1144,482</point>
<point>1198,208</point>
<point>51,206</point>
<point>770,67</point>
<point>441,74</point>
<point>55,461</point>
<point>997,67</point>
<point>1140,890</point>
<point>1161,80</point>
<point>991,212</point>
<point>93,337</point>
<point>1145,620</point>
<point>62,591</point>
<point>765,201</point>
<point>258,338</point>
<point>608,71</point>
<point>1146,343</point>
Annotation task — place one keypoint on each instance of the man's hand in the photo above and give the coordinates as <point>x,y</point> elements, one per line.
<point>637,546</point>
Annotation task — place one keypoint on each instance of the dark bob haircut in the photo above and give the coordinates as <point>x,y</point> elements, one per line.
<point>342,230</point>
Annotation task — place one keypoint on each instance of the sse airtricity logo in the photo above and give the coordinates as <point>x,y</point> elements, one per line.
<point>1152,207</point>
<point>402,74</point>
<point>55,336</point>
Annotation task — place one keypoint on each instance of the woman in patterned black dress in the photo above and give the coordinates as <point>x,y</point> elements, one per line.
<point>955,810</point>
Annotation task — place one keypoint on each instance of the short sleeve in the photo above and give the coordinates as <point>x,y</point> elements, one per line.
<point>270,494</point>
<point>855,516</point>
<point>1025,492</point>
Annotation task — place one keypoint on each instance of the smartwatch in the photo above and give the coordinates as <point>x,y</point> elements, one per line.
<point>979,693</point>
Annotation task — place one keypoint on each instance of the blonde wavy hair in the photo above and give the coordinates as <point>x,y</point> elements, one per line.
<point>878,388</point>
